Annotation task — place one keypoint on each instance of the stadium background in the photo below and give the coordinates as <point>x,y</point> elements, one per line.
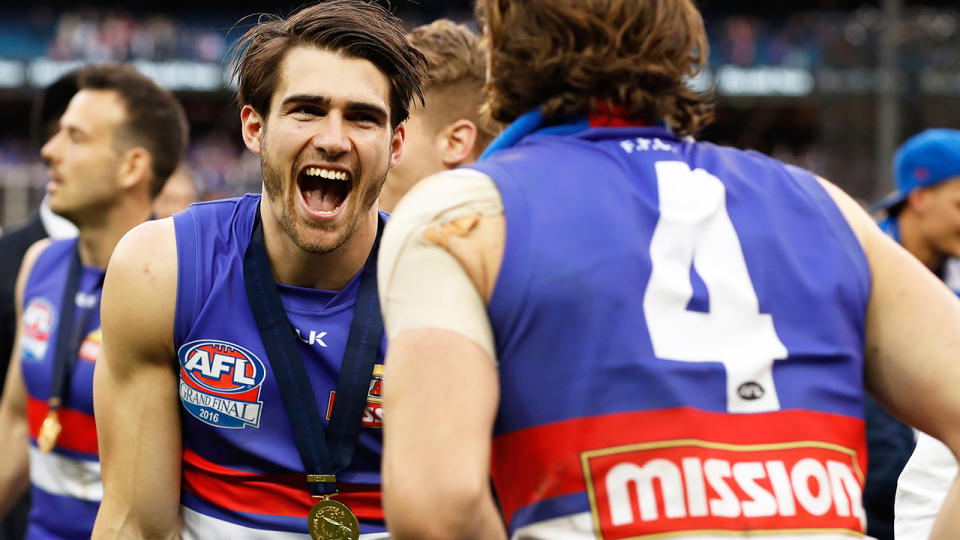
<point>831,85</point>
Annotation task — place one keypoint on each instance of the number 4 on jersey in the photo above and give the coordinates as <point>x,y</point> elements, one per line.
<point>695,229</point>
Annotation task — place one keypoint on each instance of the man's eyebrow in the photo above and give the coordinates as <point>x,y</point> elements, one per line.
<point>308,99</point>
<point>359,106</point>
<point>324,101</point>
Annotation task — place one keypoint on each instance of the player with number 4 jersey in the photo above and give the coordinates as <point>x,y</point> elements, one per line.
<point>662,337</point>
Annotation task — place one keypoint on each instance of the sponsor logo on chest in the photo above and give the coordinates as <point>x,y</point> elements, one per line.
<point>36,324</point>
<point>698,487</point>
<point>373,410</point>
<point>90,347</point>
<point>220,383</point>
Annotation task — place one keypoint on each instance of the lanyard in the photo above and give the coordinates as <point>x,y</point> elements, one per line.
<point>324,451</point>
<point>70,333</point>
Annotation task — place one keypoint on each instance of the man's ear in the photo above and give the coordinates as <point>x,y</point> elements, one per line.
<point>136,166</point>
<point>918,199</point>
<point>459,139</point>
<point>396,145</point>
<point>251,127</point>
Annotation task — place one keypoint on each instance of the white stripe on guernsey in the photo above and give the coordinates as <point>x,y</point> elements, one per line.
<point>197,526</point>
<point>61,475</point>
<point>580,527</point>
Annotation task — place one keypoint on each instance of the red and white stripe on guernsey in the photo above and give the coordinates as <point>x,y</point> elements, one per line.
<point>670,472</point>
<point>59,474</point>
<point>278,495</point>
<point>197,526</point>
<point>79,429</point>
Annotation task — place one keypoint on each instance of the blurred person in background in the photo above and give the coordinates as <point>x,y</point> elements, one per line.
<point>178,193</point>
<point>923,215</point>
<point>448,131</point>
<point>45,122</point>
<point>120,137</point>
<point>635,333</point>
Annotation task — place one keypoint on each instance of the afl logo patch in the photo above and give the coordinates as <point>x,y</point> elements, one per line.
<point>220,383</point>
<point>37,324</point>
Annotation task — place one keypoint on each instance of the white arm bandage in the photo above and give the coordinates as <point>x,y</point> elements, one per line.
<point>421,284</point>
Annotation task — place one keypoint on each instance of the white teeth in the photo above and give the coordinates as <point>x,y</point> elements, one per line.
<point>326,173</point>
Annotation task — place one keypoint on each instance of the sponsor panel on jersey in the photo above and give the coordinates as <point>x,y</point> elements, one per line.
<point>37,324</point>
<point>640,473</point>
<point>697,486</point>
<point>220,383</point>
<point>373,411</point>
<point>90,346</point>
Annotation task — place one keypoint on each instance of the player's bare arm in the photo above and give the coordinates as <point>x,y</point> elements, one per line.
<point>451,477</point>
<point>912,342</point>
<point>135,389</point>
<point>14,430</point>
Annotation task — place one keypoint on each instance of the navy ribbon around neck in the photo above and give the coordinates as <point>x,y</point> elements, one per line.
<point>70,333</point>
<point>324,451</point>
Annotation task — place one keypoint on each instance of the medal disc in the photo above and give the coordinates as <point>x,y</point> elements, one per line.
<point>332,520</point>
<point>49,432</point>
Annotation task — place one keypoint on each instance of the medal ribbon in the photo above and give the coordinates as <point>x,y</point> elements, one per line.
<point>70,333</point>
<point>324,451</point>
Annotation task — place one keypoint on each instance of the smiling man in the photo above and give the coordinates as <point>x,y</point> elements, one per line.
<point>243,346</point>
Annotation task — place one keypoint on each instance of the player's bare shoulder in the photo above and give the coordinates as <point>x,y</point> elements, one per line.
<point>140,288</point>
<point>461,212</point>
<point>860,222</point>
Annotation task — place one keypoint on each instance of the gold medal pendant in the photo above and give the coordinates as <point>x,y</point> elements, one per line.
<point>332,520</point>
<point>49,432</point>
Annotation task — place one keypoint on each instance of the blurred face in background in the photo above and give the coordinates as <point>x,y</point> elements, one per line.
<point>938,216</point>
<point>82,157</point>
<point>178,193</point>
<point>421,158</point>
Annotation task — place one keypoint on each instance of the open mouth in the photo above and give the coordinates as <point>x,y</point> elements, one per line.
<point>324,190</point>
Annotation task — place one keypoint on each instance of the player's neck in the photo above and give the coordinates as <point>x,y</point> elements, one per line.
<point>328,271</point>
<point>913,241</point>
<point>98,236</point>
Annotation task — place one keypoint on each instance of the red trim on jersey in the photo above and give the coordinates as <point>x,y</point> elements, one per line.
<point>278,495</point>
<point>611,116</point>
<point>79,429</point>
<point>543,462</point>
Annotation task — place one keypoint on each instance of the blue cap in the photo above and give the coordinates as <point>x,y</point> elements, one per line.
<point>925,160</point>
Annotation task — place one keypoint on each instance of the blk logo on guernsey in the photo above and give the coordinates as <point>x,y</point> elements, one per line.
<point>220,383</point>
<point>37,324</point>
<point>696,487</point>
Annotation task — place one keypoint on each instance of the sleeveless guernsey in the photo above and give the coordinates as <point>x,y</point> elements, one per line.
<point>242,475</point>
<point>679,329</point>
<point>65,484</point>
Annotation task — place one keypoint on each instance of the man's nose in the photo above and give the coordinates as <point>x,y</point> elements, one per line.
<point>48,151</point>
<point>331,137</point>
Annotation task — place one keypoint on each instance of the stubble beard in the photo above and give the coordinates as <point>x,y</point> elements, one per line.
<point>299,232</point>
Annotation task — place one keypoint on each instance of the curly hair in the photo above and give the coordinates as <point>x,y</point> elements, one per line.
<point>357,29</point>
<point>570,56</point>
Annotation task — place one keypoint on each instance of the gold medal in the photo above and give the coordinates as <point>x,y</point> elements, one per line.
<point>49,432</point>
<point>332,520</point>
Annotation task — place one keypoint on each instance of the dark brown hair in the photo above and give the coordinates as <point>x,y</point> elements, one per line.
<point>568,56</point>
<point>155,119</point>
<point>457,63</point>
<point>357,29</point>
